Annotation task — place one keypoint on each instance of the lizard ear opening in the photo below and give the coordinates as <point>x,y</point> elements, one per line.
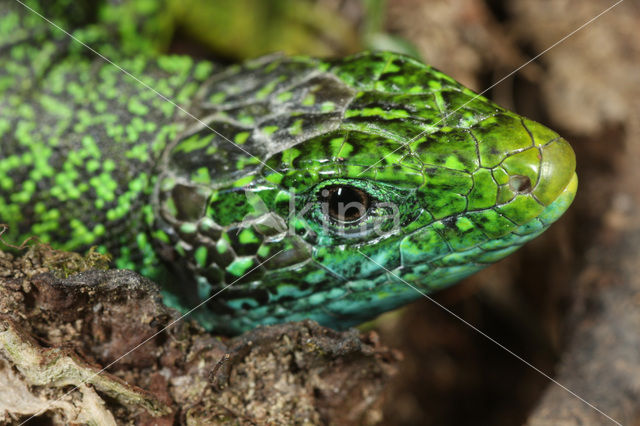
<point>190,202</point>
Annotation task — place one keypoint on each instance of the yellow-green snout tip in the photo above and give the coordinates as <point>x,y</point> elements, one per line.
<point>557,173</point>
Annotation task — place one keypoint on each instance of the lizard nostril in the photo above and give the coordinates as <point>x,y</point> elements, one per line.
<point>520,184</point>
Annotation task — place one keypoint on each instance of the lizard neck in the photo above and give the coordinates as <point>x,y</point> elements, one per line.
<point>80,140</point>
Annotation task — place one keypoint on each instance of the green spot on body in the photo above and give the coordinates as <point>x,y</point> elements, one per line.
<point>289,155</point>
<point>175,64</point>
<point>327,106</point>
<point>136,107</point>
<point>243,181</point>
<point>268,88</point>
<point>222,246</point>
<point>188,228</point>
<point>309,100</point>
<point>161,236</point>
<point>264,251</point>
<point>99,230</point>
<point>108,165</point>
<point>92,166</point>
<point>336,144</point>
<point>241,137</point>
<point>202,70</point>
<point>193,143</point>
<point>201,175</point>
<point>296,127</point>
<point>247,236</point>
<point>435,85</point>
<point>6,183</point>
<point>217,98</point>
<point>269,130</point>
<point>139,183</point>
<point>284,96</point>
<point>247,120</point>
<point>275,178</point>
<point>240,266</point>
<point>201,256</point>
<point>206,224</point>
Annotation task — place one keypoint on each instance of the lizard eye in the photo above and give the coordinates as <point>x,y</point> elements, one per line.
<point>339,211</point>
<point>345,203</point>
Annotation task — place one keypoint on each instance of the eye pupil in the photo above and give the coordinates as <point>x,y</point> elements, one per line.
<point>346,203</point>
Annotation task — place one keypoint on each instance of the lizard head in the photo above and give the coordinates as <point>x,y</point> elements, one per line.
<point>348,181</point>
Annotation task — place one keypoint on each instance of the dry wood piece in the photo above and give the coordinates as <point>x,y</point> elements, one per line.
<point>57,333</point>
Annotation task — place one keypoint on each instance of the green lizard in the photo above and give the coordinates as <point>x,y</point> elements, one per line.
<point>441,182</point>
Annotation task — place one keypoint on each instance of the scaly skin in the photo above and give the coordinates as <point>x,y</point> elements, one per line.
<point>90,157</point>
